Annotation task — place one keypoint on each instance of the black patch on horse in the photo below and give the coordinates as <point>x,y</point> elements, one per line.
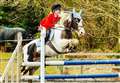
<point>31,52</point>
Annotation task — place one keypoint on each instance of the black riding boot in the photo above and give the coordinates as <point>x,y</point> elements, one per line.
<point>47,36</point>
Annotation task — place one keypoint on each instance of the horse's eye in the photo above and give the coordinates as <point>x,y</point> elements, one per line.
<point>78,20</point>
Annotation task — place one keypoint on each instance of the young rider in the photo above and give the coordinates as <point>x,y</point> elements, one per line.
<point>50,21</point>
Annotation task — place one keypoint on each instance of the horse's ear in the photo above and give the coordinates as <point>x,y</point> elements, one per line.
<point>80,12</point>
<point>69,18</point>
<point>73,10</point>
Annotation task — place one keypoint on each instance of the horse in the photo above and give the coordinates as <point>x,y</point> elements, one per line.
<point>7,33</point>
<point>61,39</point>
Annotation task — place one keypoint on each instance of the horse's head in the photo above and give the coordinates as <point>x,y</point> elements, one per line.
<point>74,22</point>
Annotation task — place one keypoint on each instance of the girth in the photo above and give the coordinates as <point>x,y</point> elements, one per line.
<point>53,47</point>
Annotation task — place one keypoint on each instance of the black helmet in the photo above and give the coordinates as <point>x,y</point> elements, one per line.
<point>56,7</point>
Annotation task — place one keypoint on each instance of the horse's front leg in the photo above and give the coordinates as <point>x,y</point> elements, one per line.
<point>31,72</point>
<point>73,45</point>
<point>69,45</point>
<point>64,45</point>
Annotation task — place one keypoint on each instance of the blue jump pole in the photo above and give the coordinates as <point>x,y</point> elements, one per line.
<point>90,62</point>
<point>72,76</point>
<point>82,76</point>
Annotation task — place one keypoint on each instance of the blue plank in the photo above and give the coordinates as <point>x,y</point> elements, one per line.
<point>90,62</point>
<point>81,76</point>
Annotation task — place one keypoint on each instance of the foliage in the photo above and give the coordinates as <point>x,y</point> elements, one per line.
<point>22,13</point>
<point>101,18</point>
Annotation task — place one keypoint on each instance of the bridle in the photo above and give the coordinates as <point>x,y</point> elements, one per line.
<point>71,28</point>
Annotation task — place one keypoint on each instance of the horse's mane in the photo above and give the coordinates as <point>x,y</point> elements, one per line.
<point>64,16</point>
<point>69,23</point>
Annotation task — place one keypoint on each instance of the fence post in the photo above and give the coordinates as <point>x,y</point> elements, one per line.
<point>19,38</point>
<point>12,72</point>
<point>8,66</point>
<point>42,58</point>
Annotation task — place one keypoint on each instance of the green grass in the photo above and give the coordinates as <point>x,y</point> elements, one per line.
<point>5,55</point>
<point>4,62</point>
<point>49,69</point>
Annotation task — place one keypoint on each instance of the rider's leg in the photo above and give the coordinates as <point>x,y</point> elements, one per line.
<point>47,35</point>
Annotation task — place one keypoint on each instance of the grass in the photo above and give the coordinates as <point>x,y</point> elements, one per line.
<point>5,57</point>
<point>49,69</point>
<point>3,63</point>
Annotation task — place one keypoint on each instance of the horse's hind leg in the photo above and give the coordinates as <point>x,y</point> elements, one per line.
<point>31,72</point>
<point>23,68</point>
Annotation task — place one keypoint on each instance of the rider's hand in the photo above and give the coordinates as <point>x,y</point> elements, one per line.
<point>39,28</point>
<point>58,25</point>
<point>62,26</point>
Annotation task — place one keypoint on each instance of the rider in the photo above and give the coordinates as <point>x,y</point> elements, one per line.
<point>50,21</point>
<point>45,25</point>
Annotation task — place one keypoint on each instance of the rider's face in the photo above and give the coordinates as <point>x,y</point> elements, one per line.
<point>57,12</point>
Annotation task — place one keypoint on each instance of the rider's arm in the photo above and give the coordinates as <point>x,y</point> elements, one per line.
<point>59,25</point>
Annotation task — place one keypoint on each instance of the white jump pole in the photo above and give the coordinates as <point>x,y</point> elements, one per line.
<point>42,58</point>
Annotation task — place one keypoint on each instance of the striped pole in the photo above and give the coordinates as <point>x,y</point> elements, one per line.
<point>114,75</point>
<point>42,58</point>
<point>74,62</point>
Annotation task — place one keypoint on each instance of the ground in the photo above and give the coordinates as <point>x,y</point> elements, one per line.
<point>86,69</point>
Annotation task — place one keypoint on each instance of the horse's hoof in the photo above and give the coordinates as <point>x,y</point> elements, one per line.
<point>72,51</point>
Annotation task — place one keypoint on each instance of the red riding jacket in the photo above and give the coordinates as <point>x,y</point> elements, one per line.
<point>49,21</point>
